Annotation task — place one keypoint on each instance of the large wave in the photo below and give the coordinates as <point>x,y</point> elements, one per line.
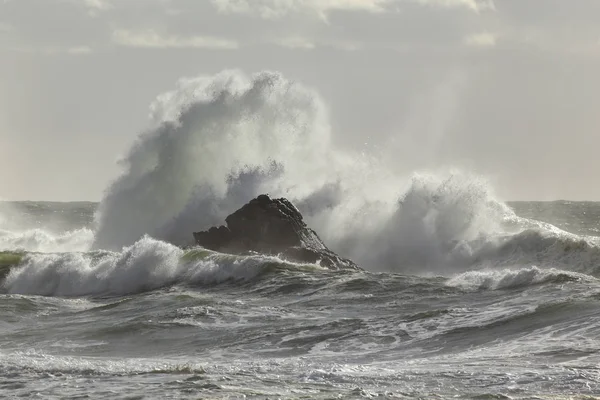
<point>221,140</point>
<point>218,141</point>
<point>146,265</point>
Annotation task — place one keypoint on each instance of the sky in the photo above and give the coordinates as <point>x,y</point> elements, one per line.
<point>508,89</point>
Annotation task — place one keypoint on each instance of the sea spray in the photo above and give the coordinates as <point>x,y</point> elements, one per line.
<point>438,223</point>
<point>220,141</point>
<point>45,226</point>
<point>41,240</point>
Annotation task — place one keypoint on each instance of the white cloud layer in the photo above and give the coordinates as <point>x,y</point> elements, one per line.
<point>278,8</point>
<point>152,39</point>
<point>53,50</point>
<point>97,4</point>
<point>475,5</point>
<point>271,9</point>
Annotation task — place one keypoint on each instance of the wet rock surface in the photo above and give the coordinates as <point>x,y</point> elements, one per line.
<point>271,226</point>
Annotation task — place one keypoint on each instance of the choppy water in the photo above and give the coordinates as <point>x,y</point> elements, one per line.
<point>228,327</point>
<point>462,296</point>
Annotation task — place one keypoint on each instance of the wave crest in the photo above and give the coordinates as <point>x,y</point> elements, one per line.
<point>146,265</point>
<point>222,140</point>
<point>218,141</point>
<point>40,240</point>
<point>513,278</point>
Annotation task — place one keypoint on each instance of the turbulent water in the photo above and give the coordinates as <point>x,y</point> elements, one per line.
<point>462,296</point>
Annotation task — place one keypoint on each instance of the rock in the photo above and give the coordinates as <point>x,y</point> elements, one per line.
<point>271,226</point>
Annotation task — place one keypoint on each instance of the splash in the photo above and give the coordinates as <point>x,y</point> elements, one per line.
<point>440,221</point>
<point>219,141</point>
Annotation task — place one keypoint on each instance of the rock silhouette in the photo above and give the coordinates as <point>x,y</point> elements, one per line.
<point>271,226</point>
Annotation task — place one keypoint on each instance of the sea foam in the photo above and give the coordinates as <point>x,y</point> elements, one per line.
<point>146,265</point>
<point>40,240</point>
<point>218,141</point>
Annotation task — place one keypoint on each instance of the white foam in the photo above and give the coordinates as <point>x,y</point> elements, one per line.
<point>439,222</point>
<point>219,141</point>
<point>146,265</point>
<point>40,240</point>
<point>511,278</point>
<point>39,361</point>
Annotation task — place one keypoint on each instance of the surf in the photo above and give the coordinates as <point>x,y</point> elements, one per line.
<point>218,141</point>
<point>147,265</point>
<point>215,142</point>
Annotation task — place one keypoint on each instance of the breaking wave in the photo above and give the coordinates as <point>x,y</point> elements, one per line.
<point>218,141</point>
<point>514,278</point>
<point>146,265</point>
<point>39,240</point>
<point>221,140</point>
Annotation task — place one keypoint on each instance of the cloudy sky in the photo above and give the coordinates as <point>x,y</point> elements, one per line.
<point>509,89</point>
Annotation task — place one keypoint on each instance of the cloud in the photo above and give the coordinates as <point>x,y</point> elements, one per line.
<point>302,43</point>
<point>475,5</point>
<point>93,7</point>
<point>344,45</point>
<point>53,50</point>
<point>271,9</point>
<point>295,42</point>
<point>151,39</point>
<point>482,39</point>
<point>97,4</point>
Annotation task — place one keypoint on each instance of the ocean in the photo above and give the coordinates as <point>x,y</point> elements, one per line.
<point>154,321</point>
<point>460,295</point>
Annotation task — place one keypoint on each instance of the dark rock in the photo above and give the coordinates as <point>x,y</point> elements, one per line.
<point>271,226</point>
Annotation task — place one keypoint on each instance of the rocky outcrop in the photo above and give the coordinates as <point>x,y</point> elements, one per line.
<point>271,226</point>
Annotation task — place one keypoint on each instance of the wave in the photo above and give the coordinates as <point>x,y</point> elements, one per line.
<point>218,141</point>
<point>39,240</point>
<point>151,264</point>
<point>221,140</point>
<point>514,278</point>
<point>40,362</point>
<point>542,247</point>
<point>147,265</point>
